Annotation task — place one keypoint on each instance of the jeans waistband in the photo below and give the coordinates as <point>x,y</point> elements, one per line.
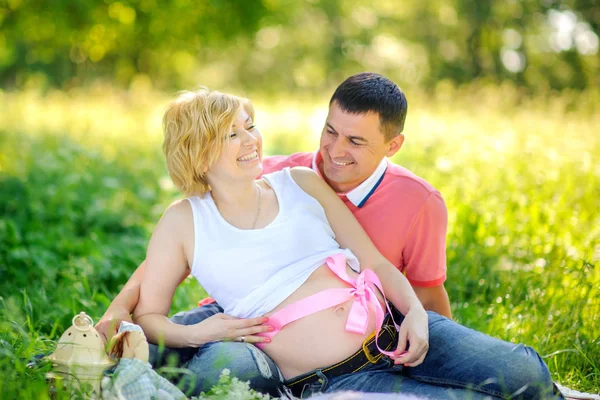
<point>366,355</point>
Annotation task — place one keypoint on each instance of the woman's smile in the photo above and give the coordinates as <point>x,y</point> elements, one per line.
<point>249,157</point>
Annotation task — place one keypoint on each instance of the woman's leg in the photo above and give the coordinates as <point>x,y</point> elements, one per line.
<point>204,365</point>
<point>244,361</point>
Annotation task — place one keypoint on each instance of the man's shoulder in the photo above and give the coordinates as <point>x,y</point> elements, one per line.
<point>402,179</point>
<point>277,163</point>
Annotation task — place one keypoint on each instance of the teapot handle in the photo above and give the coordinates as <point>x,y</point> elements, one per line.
<point>84,325</point>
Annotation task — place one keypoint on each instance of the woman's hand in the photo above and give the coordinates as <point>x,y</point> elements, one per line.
<point>222,327</point>
<point>110,322</point>
<point>414,330</point>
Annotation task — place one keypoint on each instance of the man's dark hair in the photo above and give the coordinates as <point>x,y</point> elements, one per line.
<point>367,91</point>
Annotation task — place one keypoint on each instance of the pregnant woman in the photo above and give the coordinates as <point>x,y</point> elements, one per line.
<point>282,252</point>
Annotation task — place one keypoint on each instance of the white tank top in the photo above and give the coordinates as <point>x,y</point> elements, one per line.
<point>250,272</point>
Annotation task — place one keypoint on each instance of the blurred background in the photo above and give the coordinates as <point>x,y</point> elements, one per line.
<point>301,46</point>
<point>504,117</point>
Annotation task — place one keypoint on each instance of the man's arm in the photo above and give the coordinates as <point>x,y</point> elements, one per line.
<point>435,299</point>
<point>424,255</point>
<point>122,306</point>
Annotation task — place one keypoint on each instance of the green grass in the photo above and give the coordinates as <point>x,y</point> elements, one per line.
<point>82,183</point>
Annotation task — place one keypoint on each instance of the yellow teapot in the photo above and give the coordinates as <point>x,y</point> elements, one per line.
<point>80,355</point>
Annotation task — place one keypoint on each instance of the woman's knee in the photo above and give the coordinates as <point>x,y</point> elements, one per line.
<point>244,362</point>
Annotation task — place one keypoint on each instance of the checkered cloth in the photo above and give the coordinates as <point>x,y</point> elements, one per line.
<point>134,379</point>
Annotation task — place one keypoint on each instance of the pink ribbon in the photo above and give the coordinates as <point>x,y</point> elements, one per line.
<point>364,293</point>
<point>363,290</point>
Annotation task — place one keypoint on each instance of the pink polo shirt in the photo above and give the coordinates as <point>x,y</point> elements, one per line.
<point>404,216</point>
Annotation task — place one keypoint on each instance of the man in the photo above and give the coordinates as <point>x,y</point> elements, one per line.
<point>406,218</point>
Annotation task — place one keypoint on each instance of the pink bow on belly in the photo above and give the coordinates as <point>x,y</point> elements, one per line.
<point>363,290</point>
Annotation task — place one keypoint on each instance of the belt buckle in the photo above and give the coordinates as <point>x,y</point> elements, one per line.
<point>372,359</point>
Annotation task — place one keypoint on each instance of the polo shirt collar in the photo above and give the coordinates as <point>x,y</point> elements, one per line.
<point>360,194</point>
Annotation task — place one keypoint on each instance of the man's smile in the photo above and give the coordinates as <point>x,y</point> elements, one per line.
<point>341,163</point>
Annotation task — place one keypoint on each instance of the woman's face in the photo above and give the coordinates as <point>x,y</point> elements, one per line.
<point>242,152</point>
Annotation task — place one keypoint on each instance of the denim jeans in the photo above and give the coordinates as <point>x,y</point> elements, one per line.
<point>461,363</point>
<point>204,365</point>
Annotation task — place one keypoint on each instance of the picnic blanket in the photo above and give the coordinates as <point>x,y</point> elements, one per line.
<point>571,394</point>
<point>134,379</point>
<point>367,396</point>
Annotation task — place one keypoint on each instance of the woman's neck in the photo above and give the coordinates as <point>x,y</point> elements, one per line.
<point>234,193</point>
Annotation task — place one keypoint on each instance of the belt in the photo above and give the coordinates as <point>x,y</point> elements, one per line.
<point>368,354</point>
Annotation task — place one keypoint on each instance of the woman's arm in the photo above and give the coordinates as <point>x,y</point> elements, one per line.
<point>166,266</point>
<point>350,234</point>
<point>122,306</point>
<point>170,251</point>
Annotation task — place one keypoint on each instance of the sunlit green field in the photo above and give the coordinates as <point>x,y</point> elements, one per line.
<point>82,183</point>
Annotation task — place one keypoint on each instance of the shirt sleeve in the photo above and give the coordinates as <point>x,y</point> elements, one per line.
<point>424,253</point>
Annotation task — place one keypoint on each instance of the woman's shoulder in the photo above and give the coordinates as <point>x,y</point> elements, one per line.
<point>176,223</point>
<point>302,171</point>
<point>300,176</point>
<point>289,171</point>
<point>179,212</point>
<point>306,178</point>
<point>180,206</point>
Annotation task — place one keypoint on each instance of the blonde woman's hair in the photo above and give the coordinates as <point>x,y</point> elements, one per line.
<point>196,126</point>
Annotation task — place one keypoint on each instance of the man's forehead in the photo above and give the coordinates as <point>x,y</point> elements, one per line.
<point>337,109</point>
<point>364,125</point>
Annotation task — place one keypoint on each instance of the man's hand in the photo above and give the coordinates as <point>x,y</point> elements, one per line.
<point>227,328</point>
<point>110,322</point>
<point>414,330</point>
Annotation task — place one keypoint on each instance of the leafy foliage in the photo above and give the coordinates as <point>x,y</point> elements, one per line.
<point>231,388</point>
<point>281,45</point>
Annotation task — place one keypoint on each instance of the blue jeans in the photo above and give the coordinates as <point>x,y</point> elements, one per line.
<point>461,363</point>
<point>204,365</point>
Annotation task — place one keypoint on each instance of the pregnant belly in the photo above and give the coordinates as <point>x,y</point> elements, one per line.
<point>320,339</point>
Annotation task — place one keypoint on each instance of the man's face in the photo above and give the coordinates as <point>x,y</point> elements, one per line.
<point>352,146</point>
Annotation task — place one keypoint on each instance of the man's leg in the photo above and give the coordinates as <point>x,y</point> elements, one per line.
<point>462,357</point>
<point>204,365</point>
<point>389,379</point>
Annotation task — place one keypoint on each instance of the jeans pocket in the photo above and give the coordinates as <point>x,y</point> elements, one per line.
<point>388,364</point>
<point>318,386</point>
